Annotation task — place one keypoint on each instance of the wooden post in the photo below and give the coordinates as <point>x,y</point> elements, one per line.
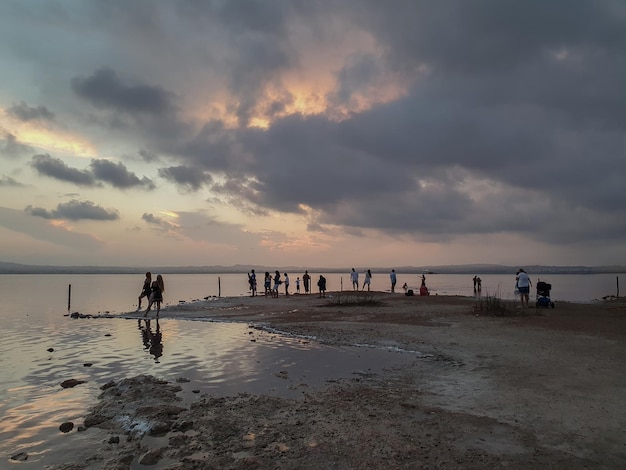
<point>219,286</point>
<point>617,277</point>
<point>69,298</point>
<point>341,283</point>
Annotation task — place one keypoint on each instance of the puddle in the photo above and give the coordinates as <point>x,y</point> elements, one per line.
<point>202,357</point>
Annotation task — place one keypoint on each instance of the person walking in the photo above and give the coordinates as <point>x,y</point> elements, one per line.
<point>145,290</point>
<point>393,278</point>
<point>368,280</point>
<point>523,284</point>
<point>306,279</point>
<point>156,296</point>
<point>354,277</point>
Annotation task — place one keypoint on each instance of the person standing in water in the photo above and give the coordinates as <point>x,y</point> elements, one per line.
<point>145,290</point>
<point>156,296</point>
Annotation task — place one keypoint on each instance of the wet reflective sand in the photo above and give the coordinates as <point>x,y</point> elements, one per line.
<point>217,358</point>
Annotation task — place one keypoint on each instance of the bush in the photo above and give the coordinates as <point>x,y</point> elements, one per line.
<point>494,305</point>
<point>353,299</point>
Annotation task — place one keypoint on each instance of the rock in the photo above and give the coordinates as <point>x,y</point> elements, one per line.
<point>151,457</point>
<point>70,383</point>
<point>182,380</point>
<point>50,349</point>
<point>108,334</point>
<point>108,385</point>
<point>88,364</point>
<point>159,428</point>
<point>21,457</point>
<point>195,391</point>
<point>114,440</point>
<point>94,419</point>
<point>66,427</point>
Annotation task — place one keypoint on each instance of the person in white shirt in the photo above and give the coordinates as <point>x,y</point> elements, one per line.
<point>523,285</point>
<point>354,277</point>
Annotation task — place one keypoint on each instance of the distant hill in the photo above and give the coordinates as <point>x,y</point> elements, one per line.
<point>15,268</point>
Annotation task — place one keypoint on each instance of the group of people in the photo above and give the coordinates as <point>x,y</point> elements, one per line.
<point>478,284</point>
<point>153,291</point>
<point>271,284</point>
<point>354,277</point>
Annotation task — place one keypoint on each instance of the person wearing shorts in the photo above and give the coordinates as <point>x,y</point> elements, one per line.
<point>523,285</point>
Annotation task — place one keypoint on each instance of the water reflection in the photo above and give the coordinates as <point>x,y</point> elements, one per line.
<point>152,340</point>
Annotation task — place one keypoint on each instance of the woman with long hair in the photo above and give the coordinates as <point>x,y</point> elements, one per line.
<point>156,296</point>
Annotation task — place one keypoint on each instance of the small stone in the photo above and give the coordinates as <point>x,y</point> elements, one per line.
<point>195,391</point>
<point>88,364</point>
<point>114,440</point>
<point>66,427</point>
<point>21,457</point>
<point>70,383</point>
<point>50,349</point>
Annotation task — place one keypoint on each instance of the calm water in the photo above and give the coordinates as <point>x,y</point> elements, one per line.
<point>218,358</point>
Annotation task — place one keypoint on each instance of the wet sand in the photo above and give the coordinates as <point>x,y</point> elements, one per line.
<point>530,389</point>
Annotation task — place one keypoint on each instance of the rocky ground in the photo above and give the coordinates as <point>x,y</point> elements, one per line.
<point>496,387</point>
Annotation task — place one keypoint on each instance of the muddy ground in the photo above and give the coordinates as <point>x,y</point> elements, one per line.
<point>515,389</point>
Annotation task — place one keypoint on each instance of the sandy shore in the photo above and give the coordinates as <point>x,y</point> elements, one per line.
<point>533,389</point>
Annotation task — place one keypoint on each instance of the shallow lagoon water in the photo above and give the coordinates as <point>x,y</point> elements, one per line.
<point>41,350</point>
<point>217,358</point>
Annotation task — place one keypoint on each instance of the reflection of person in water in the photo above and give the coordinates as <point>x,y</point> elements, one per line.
<point>152,341</point>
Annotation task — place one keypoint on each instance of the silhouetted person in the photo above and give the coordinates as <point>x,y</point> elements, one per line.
<point>306,279</point>
<point>321,284</point>
<point>145,290</point>
<point>156,296</point>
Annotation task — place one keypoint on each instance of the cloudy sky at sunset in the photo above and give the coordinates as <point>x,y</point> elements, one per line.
<point>312,132</point>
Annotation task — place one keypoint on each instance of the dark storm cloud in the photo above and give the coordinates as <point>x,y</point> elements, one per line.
<point>75,210</point>
<point>526,98</point>
<point>104,89</point>
<point>28,113</point>
<point>56,168</point>
<point>186,178</point>
<point>117,175</point>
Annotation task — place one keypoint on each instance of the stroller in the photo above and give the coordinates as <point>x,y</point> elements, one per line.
<point>543,295</point>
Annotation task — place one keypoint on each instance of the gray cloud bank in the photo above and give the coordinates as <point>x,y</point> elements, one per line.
<point>512,118</point>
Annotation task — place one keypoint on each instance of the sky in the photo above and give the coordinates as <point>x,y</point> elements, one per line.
<point>319,133</point>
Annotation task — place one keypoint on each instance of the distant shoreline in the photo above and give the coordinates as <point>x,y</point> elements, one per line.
<point>15,268</point>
